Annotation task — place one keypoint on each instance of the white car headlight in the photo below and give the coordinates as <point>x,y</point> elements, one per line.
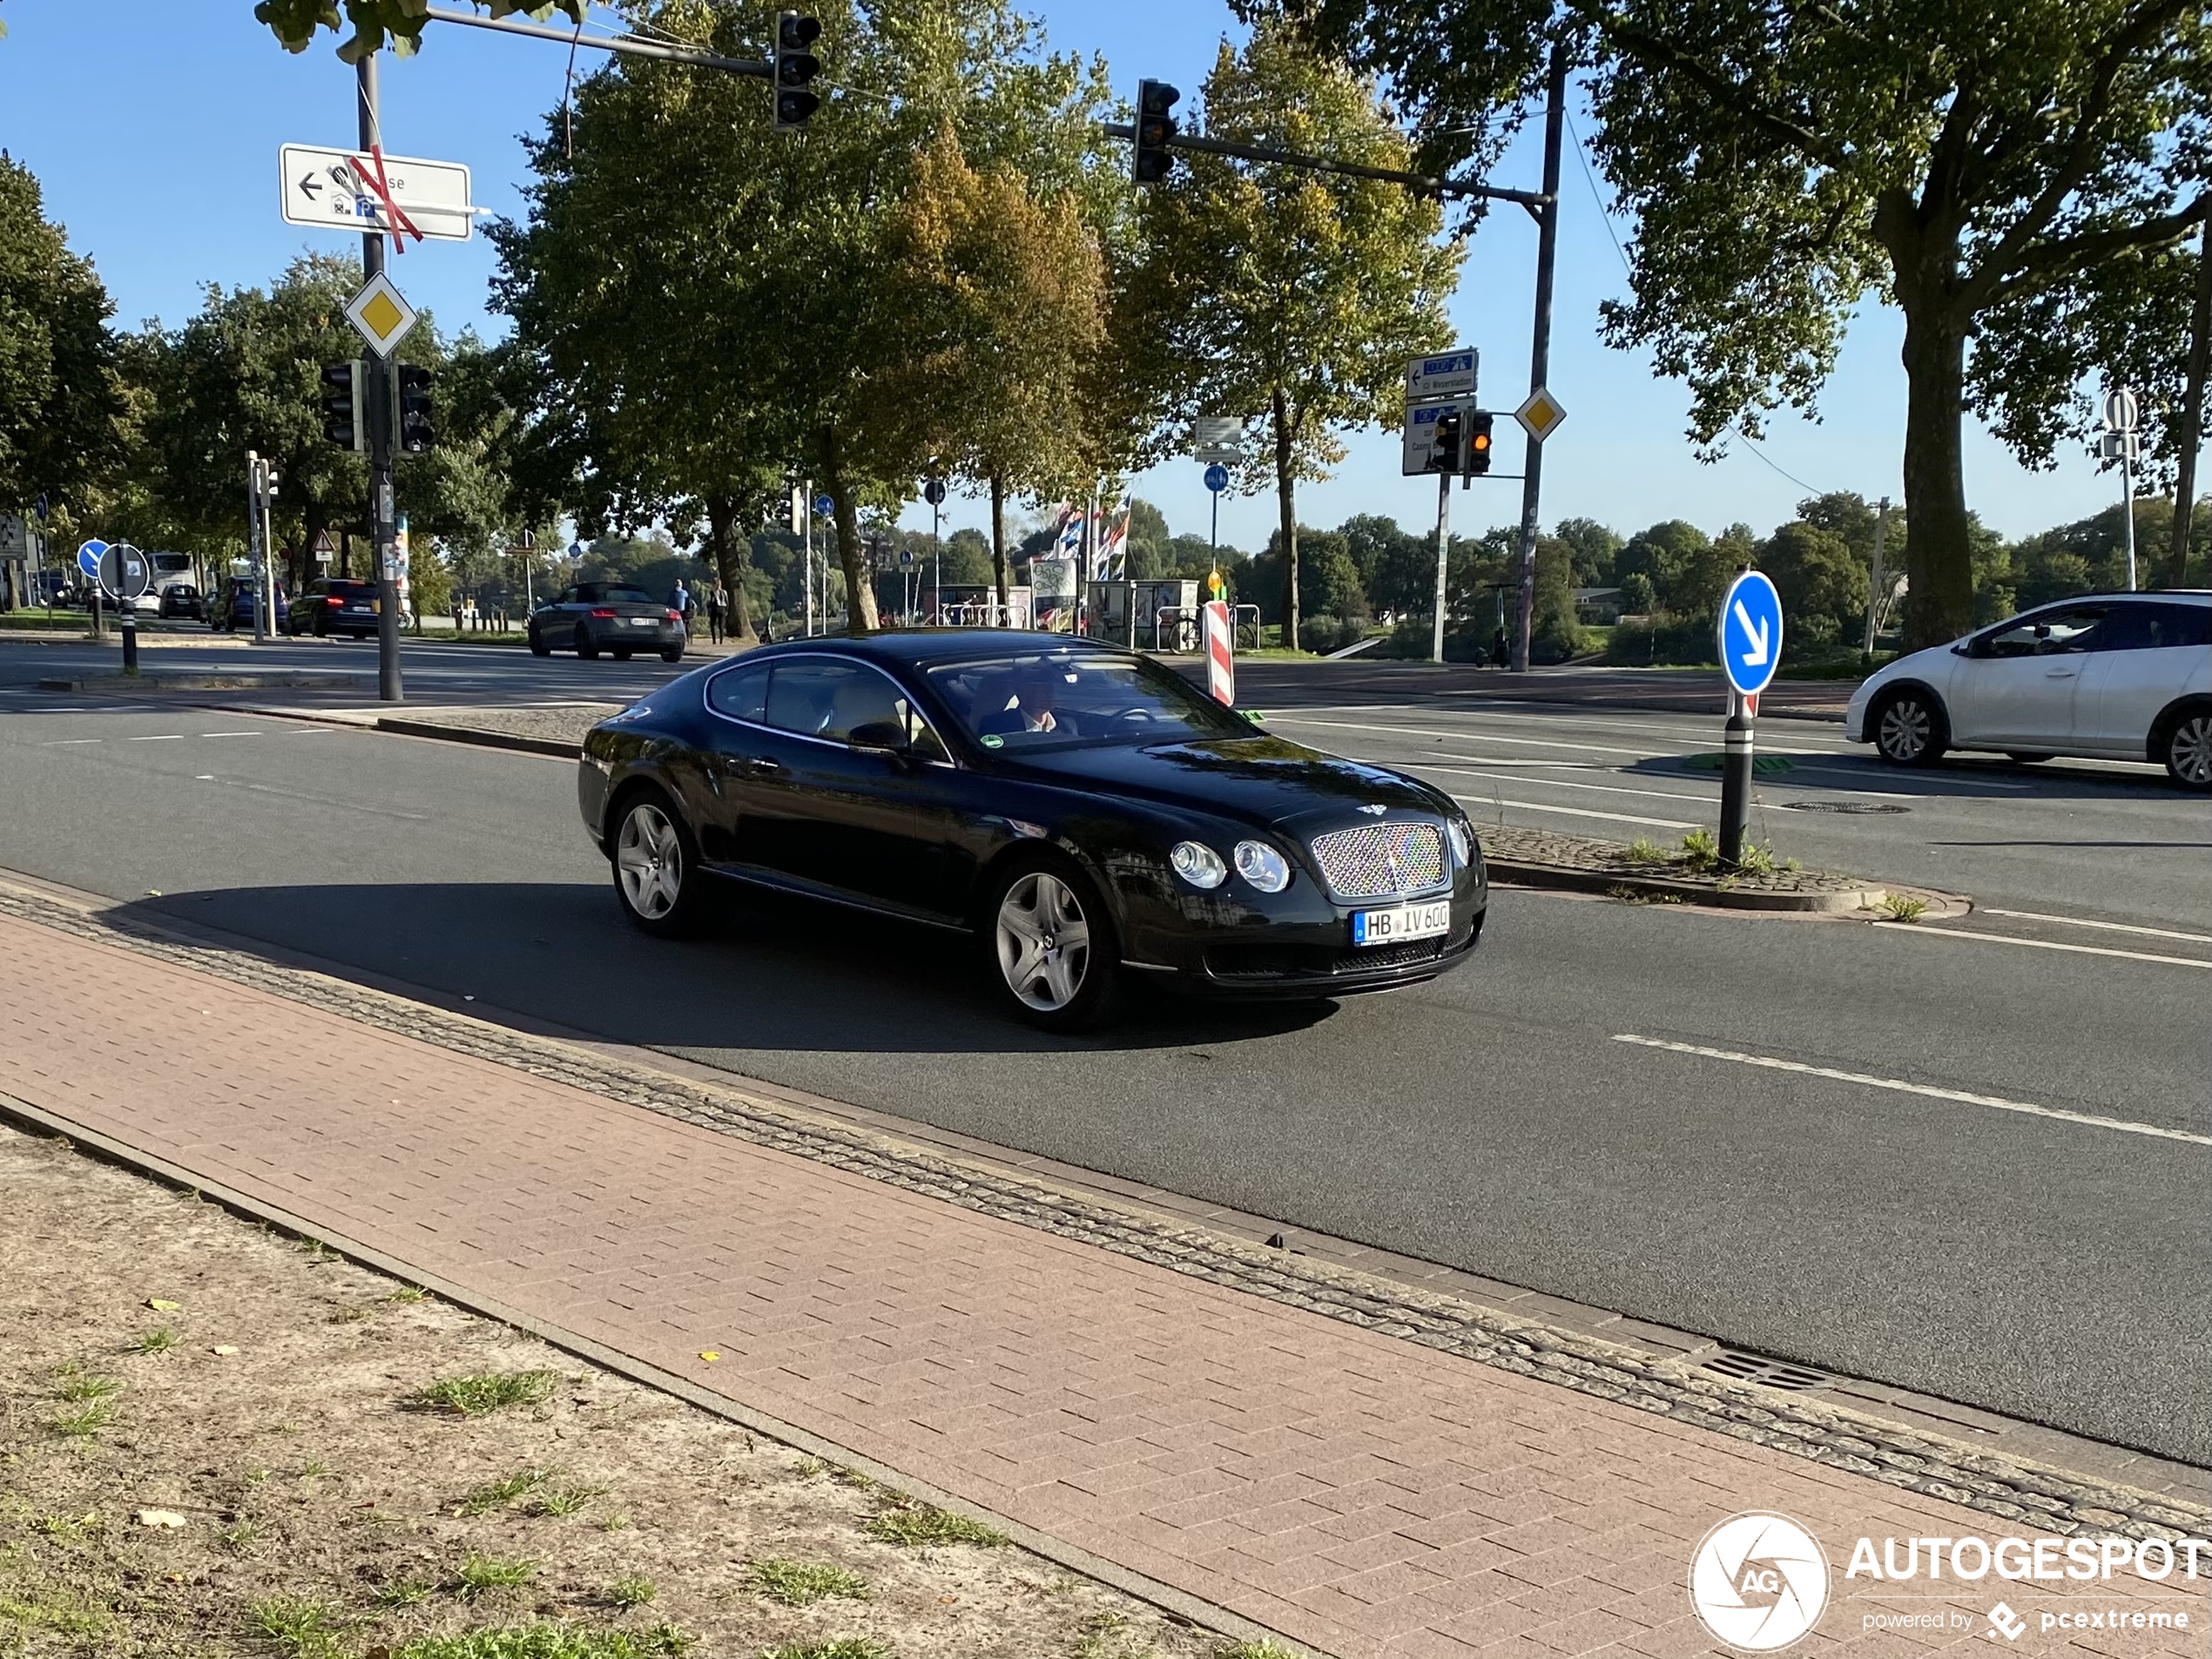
<point>1199,864</point>
<point>1462,841</point>
<point>1262,867</point>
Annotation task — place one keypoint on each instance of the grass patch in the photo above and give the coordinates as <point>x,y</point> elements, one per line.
<point>1898,906</point>
<point>843,1647</point>
<point>631,1592</point>
<point>565,1500</point>
<point>408,1293</point>
<point>239,1537</point>
<point>302,1626</point>
<point>798,1583</point>
<point>615,1522</point>
<point>488,1392</point>
<point>497,1494</point>
<point>405,1591</point>
<point>1701,850</point>
<point>549,1641</point>
<point>160,1339</point>
<point>482,1574</point>
<point>72,1384</point>
<point>86,1420</point>
<point>922,1524</point>
<point>1265,1648</point>
<point>1644,850</point>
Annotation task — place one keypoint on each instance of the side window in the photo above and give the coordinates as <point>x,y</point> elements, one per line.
<point>848,703</point>
<point>741,693</point>
<point>2046,633</point>
<point>568,596</point>
<point>2166,626</point>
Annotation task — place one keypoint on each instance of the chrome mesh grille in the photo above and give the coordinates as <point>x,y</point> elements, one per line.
<point>1378,859</point>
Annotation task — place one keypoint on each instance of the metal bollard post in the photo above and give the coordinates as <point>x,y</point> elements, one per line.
<point>129,617</point>
<point>1736,783</point>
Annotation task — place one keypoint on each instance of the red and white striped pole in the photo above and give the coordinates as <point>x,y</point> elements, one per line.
<point>1221,663</point>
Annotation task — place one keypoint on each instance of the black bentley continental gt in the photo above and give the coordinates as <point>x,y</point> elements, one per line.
<point>1081,810</point>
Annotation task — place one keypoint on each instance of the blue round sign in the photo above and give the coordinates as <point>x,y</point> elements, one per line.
<point>1216,478</point>
<point>1751,632</point>
<point>88,557</point>
<point>824,506</point>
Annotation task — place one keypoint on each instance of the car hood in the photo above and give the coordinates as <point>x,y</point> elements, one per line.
<point>1260,778</point>
<point>1932,663</point>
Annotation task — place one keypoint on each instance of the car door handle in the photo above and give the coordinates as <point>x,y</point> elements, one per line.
<point>753,768</point>
<point>2060,673</point>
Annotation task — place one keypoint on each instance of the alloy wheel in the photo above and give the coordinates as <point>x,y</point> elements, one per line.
<point>1043,941</point>
<point>1905,729</point>
<point>2189,751</point>
<point>650,859</point>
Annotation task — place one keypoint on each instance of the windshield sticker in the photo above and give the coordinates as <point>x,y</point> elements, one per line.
<point>992,741</point>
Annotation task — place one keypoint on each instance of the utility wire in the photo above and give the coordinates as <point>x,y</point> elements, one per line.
<point>1582,156</point>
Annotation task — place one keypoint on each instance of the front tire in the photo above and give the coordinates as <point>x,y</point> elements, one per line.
<point>1051,947</point>
<point>1910,729</point>
<point>656,868</point>
<point>538,647</point>
<point>2186,749</point>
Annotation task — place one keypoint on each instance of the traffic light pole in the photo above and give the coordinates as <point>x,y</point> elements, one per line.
<point>376,396</point>
<point>1443,555</point>
<point>1540,353</point>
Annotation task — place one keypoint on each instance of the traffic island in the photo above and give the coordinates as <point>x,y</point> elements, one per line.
<point>556,731</point>
<point>158,680</point>
<point>1645,872</point>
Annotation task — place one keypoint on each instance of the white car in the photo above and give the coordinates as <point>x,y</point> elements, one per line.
<point>2108,675</point>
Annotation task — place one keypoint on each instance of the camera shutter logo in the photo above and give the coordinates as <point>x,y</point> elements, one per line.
<point>1759,1581</point>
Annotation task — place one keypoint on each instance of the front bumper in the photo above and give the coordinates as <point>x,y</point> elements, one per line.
<point>1297,943</point>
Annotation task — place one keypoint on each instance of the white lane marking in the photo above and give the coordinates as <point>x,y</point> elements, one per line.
<point>1486,737</point>
<point>1941,932</point>
<point>319,800</point>
<point>1562,783</point>
<point>2110,926</point>
<point>231,734</point>
<point>1901,1087</point>
<point>63,743</point>
<point>1571,812</point>
<point>165,737</point>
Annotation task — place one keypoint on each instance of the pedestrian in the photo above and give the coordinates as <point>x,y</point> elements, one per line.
<point>714,602</point>
<point>680,603</point>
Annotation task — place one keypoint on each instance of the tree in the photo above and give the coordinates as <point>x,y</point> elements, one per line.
<point>1286,296</point>
<point>1822,582</point>
<point>1006,308</point>
<point>63,409</point>
<point>1665,554</point>
<point>1593,547</point>
<point>378,23</point>
<point>1966,160</point>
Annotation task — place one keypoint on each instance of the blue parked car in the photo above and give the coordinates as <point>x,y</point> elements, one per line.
<point>235,609</point>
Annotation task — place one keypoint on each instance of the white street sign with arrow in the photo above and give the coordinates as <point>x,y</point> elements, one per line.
<point>336,190</point>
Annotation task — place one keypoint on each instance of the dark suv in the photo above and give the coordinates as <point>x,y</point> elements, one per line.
<point>593,616</point>
<point>233,608</point>
<point>336,605</point>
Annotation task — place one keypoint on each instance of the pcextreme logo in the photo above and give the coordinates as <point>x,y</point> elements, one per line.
<point>1759,1581</point>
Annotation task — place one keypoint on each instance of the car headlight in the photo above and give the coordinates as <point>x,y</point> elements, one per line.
<point>1262,867</point>
<point>1199,864</point>
<point>1462,841</point>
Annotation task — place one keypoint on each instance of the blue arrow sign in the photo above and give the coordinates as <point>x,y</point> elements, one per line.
<point>1216,478</point>
<point>88,557</point>
<point>1751,632</point>
<point>824,506</point>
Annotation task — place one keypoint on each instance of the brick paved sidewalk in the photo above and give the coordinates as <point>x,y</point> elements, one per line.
<point>1360,1493</point>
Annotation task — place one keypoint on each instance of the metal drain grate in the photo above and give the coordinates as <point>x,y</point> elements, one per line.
<point>1768,1374</point>
<point>1855,808</point>
<point>1762,765</point>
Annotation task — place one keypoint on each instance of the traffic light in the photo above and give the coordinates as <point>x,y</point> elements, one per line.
<point>1443,443</point>
<point>343,406</point>
<point>1478,455</point>
<point>412,390</point>
<point>795,66</point>
<point>1151,162</point>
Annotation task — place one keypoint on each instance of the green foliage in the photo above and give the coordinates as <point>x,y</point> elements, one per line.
<point>631,1592</point>
<point>482,1574</point>
<point>474,1396</point>
<point>840,1647</point>
<point>1287,297</point>
<point>922,1524</point>
<point>2011,178</point>
<point>798,1583</point>
<point>497,1494</point>
<point>378,24</point>
<point>301,1626</point>
<point>548,1642</point>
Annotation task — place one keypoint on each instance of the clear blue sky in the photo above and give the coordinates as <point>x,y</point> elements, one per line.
<point>154,126</point>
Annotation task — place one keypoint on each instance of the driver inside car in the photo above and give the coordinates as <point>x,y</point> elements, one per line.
<point>1030,711</point>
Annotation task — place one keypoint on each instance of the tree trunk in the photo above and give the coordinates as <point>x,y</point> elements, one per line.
<point>1939,560</point>
<point>2191,435</point>
<point>998,540</point>
<point>859,582</point>
<point>1286,501</point>
<point>731,555</point>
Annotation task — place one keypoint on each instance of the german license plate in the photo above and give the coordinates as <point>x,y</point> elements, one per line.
<point>1407,921</point>
<point>641,622</point>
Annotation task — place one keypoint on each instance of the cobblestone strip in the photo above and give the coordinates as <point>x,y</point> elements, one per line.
<point>2050,1500</point>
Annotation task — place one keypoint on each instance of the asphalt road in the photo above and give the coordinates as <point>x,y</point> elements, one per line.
<point>1515,1119</point>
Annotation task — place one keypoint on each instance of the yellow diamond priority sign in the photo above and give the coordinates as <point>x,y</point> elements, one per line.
<point>380,314</point>
<point>1539,415</point>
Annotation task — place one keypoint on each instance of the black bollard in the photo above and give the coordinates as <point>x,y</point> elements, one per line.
<point>1736,783</point>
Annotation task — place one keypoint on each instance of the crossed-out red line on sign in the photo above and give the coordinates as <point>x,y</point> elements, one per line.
<point>395,218</point>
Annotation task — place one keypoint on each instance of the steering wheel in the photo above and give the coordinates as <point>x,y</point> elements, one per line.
<point>1136,713</point>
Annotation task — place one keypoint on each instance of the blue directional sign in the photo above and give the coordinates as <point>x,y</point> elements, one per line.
<point>824,506</point>
<point>1751,632</point>
<point>88,557</point>
<point>1216,478</point>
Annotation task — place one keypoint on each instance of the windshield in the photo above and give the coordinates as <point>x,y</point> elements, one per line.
<point>1058,699</point>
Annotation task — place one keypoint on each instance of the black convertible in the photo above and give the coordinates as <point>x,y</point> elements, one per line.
<point>1081,810</point>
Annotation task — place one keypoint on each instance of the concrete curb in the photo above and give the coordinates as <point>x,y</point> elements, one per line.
<point>158,681</point>
<point>1190,1608</point>
<point>1689,892</point>
<point>407,728</point>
